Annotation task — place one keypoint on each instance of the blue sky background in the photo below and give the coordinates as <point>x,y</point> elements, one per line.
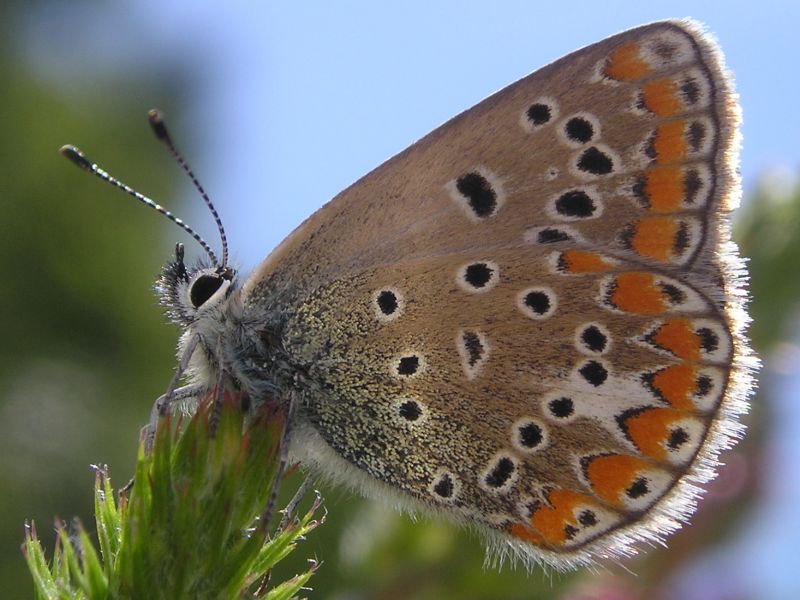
<point>289,103</point>
<point>292,102</point>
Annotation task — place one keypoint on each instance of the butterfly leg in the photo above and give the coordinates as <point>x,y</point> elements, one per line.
<point>163,403</point>
<point>216,408</point>
<point>283,460</point>
<point>291,508</point>
<point>162,406</point>
<point>286,517</point>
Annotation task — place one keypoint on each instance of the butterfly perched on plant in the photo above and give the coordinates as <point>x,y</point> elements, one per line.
<point>530,321</point>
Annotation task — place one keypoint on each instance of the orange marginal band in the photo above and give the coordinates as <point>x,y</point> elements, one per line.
<point>676,384</point>
<point>551,520</point>
<point>611,474</point>
<point>665,189</point>
<point>655,238</point>
<point>580,261</point>
<point>625,64</point>
<point>670,142</point>
<point>661,97</point>
<point>638,293</point>
<point>525,533</point>
<point>649,430</point>
<point>679,337</point>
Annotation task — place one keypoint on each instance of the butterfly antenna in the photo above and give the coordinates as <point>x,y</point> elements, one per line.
<point>156,118</point>
<point>80,159</point>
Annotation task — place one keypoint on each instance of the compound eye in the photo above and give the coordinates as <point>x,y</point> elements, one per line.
<point>203,288</point>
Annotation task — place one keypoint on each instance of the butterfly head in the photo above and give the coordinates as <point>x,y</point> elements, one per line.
<point>189,293</point>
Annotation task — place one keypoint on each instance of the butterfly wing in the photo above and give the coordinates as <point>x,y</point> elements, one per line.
<point>660,117</point>
<point>531,319</point>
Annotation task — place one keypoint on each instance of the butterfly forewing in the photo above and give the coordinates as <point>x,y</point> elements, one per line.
<point>529,320</point>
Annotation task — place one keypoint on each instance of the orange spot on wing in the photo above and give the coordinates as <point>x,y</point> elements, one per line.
<point>625,64</point>
<point>638,293</point>
<point>665,189</point>
<point>655,238</point>
<point>678,336</point>
<point>649,430</point>
<point>670,142</point>
<point>676,384</point>
<point>551,520</point>
<point>661,97</point>
<point>525,533</point>
<point>612,474</point>
<point>580,261</point>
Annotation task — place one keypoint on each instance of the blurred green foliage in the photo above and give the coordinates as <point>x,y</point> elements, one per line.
<point>768,231</point>
<point>87,351</point>
<point>86,341</point>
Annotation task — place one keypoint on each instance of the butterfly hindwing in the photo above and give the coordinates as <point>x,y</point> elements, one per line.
<point>530,382</point>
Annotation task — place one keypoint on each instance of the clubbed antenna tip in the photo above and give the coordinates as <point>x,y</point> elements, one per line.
<point>76,156</point>
<point>156,119</point>
<point>80,159</point>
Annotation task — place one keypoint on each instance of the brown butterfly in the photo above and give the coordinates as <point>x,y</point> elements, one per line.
<point>529,322</point>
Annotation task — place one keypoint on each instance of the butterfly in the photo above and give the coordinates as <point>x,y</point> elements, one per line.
<point>530,322</point>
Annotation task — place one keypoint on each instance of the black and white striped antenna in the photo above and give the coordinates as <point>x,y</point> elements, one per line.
<point>159,128</point>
